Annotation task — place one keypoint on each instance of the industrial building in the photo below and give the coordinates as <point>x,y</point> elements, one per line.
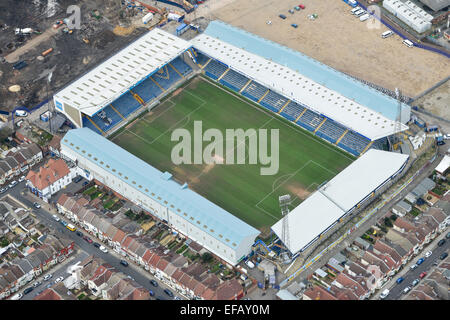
<point>409,13</point>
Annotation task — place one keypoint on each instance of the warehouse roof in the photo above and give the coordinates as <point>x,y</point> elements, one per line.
<point>333,200</point>
<point>308,67</point>
<point>159,186</point>
<point>303,89</point>
<point>125,69</point>
<point>436,5</point>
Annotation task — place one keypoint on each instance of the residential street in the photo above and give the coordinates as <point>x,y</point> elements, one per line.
<point>45,215</point>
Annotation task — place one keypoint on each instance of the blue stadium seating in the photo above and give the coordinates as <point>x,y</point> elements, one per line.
<point>147,90</point>
<point>167,77</point>
<point>201,59</point>
<point>353,143</point>
<point>181,66</point>
<point>215,69</point>
<point>310,120</point>
<point>234,80</point>
<point>292,111</point>
<point>126,104</point>
<point>111,114</point>
<point>273,101</point>
<point>88,124</point>
<point>330,131</point>
<point>254,91</point>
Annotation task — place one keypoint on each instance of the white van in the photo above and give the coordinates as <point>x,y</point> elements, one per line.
<point>17,296</point>
<point>408,43</point>
<point>364,17</point>
<point>353,11</point>
<point>359,13</point>
<point>387,34</point>
<point>384,294</point>
<point>21,113</point>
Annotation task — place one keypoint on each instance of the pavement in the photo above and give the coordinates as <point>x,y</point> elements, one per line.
<point>83,248</point>
<point>395,289</point>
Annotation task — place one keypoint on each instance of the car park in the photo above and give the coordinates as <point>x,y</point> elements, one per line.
<point>47,276</point>
<point>153,283</point>
<point>168,292</point>
<point>420,261</point>
<point>124,263</point>
<point>441,242</point>
<point>27,290</point>
<point>36,205</point>
<point>423,275</point>
<point>443,256</point>
<point>415,282</point>
<point>59,279</point>
<point>103,249</point>
<point>399,280</point>
<point>407,289</point>
<point>428,254</point>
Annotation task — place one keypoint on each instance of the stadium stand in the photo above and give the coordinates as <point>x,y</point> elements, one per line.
<point>353,143</point>
<point>89,123</point>
<point>331,131</point>
<point>254,91</point>
<point>181,66</point>
<point>201,59</point>
<point>126,104</point>
<point>166,77</point>
<point>215,69</point>
<point>147,90</point>
<point>234,80</point>
<point>310,120</point>
<point>292,111</point>
<point>273,101</point>
<point>106,119</point>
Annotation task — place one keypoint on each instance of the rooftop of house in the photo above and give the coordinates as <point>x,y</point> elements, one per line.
<point>48,174</point>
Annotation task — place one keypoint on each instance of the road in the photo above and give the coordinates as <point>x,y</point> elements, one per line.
<point>84,249</point>
<point>395,289</point>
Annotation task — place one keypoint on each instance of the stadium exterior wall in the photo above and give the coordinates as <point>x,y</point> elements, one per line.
<point>93,171</point>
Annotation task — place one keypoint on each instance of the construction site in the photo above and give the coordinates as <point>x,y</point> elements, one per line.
<point>40,53</point>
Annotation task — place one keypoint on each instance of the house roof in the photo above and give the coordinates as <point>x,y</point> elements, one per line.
<point>318,293</point>
<point>48,174</point>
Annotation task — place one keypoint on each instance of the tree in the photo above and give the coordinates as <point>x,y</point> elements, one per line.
<point>207,257</point>
<point>388,222</point>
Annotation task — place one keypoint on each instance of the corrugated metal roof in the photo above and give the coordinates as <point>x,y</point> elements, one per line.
<point>135,172</point>
<point>313,69</point>
<point>125,69</point>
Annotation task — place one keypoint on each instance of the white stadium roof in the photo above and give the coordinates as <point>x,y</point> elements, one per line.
<point>115,76</point>
<point>297,87</point>
<point>324,207</point>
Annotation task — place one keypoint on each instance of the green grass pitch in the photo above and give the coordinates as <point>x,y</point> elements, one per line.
<point>305,160</point>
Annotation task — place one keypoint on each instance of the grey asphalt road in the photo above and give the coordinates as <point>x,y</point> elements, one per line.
<point>396,290</point>
<point>138,274</point>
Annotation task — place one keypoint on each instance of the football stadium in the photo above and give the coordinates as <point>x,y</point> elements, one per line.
<point>333,133</point>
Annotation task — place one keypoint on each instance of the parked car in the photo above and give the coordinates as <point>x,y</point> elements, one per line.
<point>79,233</point>
<point>124,263</point>
<point>77,179</point>
<point>441,242</point>
<point>414,266</point>
<point>415,282</point>
<point>407,289</point>
<point>422,275</point>
<point>86,238</point>
<point>443,256</point>
<point>399,280</point>
<point>177,298</point>
<point>447,235</point>
<point>37,284</point>
<point>13,183</point>
<point>36,205</point>
<point>419,262</point>
<point>47,276</point>
<point>250,264</point>
<point>154,283</point>
<point>55,217</point>
<point>428,254</point>
<point>168,292</point>
<point>59,279</point>
<point>97,245</point>
<point>103,249</point>
<point>22,178</point>
<point>151,293</point>
<point>27,290</point>
<point>3,190</point>
<point>282,16</point>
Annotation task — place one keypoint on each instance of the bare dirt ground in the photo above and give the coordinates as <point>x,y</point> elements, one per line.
<point>437,101</point>
<point>340,40</point>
